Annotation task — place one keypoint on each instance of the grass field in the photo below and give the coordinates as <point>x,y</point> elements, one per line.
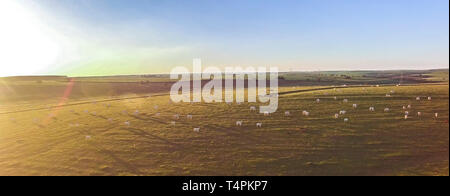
<point>85,133</point>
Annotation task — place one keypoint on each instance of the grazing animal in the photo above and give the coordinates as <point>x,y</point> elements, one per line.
<point>418,98</point>
<point>388,95</point>
<point>436,115</point>
<point>266,114</point>
<point>372,109</point>
<point>345,100</point>
<point>196,129</point>
<point>429,98</point>
<point>386,109</point>
<point>355,106</point>
<point>406,116</point>
<point>409,106</point>
<point>252,108</point>
<point>345,119</point>
<point>317,100</point>
<point>342,112</point>
<point>287,113</point>
<point>406,113</point>
<point>189,117</point>
<point>305,113</point>
<point>392,91</point>
<point>239,123</point>
<point>176,116</point>
<point>258,125</point>
<point>404,107</point>
<point>336,116</point>
<point>335,98</point>
<point>419,113</point>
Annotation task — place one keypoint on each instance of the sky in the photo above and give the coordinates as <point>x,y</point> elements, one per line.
<point>118,37</point>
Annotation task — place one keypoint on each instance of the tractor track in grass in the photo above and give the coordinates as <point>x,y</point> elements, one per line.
<point>161,95</point>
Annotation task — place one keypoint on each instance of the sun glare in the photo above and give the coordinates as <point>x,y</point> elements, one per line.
<point>25,45</point>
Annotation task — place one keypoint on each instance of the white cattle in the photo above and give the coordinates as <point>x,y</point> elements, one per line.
<point>342,112</point>
<point>406,117</point>
<point>176,116</point>
<point>252,108</point>
<point>372,109</point>
<point>345,119</point>
<point>388,95</point>
<point>287,113</point>
<point>258,125</point>
<point>386,109</point>
<point>419,113</point>
<point>335,98</point>
<point>345,100</point>
<point>239,123</point>
<point>409,106</point>
<point>418,98</point>
<point>355,106</point>
<point>317,100</point>
<point>196,129</point>
<point>429,98</point>
<point>336,116</point>
<point>404,107</point>
<point>436,115</point>
<point>189,117</point>
<point>266,113</point>
<point>305,113</point>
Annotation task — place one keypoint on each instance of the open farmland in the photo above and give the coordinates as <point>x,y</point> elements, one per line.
<point>88,132</point>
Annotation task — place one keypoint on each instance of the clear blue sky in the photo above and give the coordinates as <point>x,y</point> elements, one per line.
<point>97,37</point>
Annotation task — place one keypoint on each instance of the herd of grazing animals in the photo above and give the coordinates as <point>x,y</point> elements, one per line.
<point>253,109</point>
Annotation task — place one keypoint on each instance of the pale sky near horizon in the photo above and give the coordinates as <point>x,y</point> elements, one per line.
<point>111,37</point>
